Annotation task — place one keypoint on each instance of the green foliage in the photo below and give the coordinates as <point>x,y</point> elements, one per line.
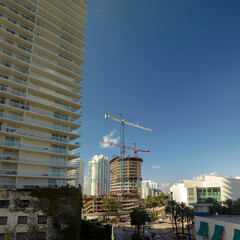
<point>111,204</point>
<point>139,218</point>
<point>92,232</point>
<point>71,211</point>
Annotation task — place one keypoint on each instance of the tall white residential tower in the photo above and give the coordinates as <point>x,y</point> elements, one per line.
<point>41,65</point>
<point>98,175</point>
<point>150,188</point>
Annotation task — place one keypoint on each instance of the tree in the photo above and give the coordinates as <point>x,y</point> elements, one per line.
<point>116,205</point>
<point>216,206</point>
<point>138,218</point>
<point>189,216</point>
<point>162,198</point>
<point>152,201</point>
<point>107,205</point>
<point>182,207</point>
<point>172,208</point>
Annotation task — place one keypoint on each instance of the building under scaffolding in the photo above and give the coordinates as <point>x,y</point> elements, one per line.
<point>132,175</point>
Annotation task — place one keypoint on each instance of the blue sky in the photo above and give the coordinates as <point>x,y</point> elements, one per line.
<point>172,66</point>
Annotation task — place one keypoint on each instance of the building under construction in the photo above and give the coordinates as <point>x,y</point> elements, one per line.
<point>132,175</point>
<point>92,205</point>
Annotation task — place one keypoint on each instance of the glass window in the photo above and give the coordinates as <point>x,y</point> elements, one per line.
<point>22,219</point>
<point>2,236</point>
<point>41,236</point>
<point>42,219</point>
<point>21,236</point>
<point>61,219</point>
<point>4,203</point>
<point>3,220</point>
<point>24,203</point>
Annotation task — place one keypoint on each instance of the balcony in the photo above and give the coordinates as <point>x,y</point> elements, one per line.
<point>35,174</point>
<point>37,148</point>
<point>42,112</point>
<point>40,124</point>
<point>37,135</point>
<point>8,171</point>
<point>28,186</point>
<point>40,161</point>
<point>37,88</point>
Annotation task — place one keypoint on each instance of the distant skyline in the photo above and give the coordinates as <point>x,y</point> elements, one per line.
<point>172,66</point>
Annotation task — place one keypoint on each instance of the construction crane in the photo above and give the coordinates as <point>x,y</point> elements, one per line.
<point>122,148</point>
<point>135,150</point>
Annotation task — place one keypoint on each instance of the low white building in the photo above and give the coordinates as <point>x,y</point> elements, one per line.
<point>150,188</point>
<point>193,191</point>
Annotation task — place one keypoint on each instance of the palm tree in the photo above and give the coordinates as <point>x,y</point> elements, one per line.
<point>172,208</point>
<point>152,201</point>
<point>107,205</point>
<point>182,207</point>
<point>116,205</point>
<point>189,216</point>
<point>228,207</point>
<point>139,218</point>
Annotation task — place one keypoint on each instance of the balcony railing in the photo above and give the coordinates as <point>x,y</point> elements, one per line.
<point>40,161</point>
<point>30,186</point>
<point>35,110</point>
<point>37,148</point>
<point>38,123</point>
<point>37,135</point>
<point>38,88</point>
<point>31,173</point>
<point>12,91</point>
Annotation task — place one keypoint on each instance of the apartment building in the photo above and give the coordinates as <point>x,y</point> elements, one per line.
<point>150,188</point>
<point>98,176</point>
<point>41,70</point>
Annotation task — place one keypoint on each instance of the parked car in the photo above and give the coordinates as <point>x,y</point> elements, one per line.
<point>157,238</point>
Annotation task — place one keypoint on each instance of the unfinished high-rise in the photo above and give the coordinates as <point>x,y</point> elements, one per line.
<point>132,176</point>
<point>41,55</point>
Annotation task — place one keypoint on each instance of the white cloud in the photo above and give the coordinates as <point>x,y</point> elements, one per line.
<point>201,177</point>
<point>85,183</point>
<point>110,138</point>
<point>155,166</point>
<point>165,187</point>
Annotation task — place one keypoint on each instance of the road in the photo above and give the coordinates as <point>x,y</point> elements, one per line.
<point>161,229</point>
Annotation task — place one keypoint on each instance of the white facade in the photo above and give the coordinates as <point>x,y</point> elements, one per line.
<point>98,175</point>
<point>42,55</point>
<point>228,222</point>
<point>150,188</point>
<point>219,188</point>
<point>81,173</point>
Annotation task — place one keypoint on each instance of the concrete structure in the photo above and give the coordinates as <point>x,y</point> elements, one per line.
<point>41,51</point>
<point>132,175</point>
<point>25,214</point>
<point>150,188</point>
<point>98,175</point>
<point>92,206</point>
<point>219,188</point>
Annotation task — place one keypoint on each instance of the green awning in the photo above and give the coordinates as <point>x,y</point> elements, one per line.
<point>202,229</point>
<point>236,234</point>
<point>217,231</point>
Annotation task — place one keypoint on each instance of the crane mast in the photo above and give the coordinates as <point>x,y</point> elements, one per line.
<point>122,146</point>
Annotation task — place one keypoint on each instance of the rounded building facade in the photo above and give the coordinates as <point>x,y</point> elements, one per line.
<point>132,175</point>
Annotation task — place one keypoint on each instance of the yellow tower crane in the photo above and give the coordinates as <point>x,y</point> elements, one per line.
<point>122,151</point>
